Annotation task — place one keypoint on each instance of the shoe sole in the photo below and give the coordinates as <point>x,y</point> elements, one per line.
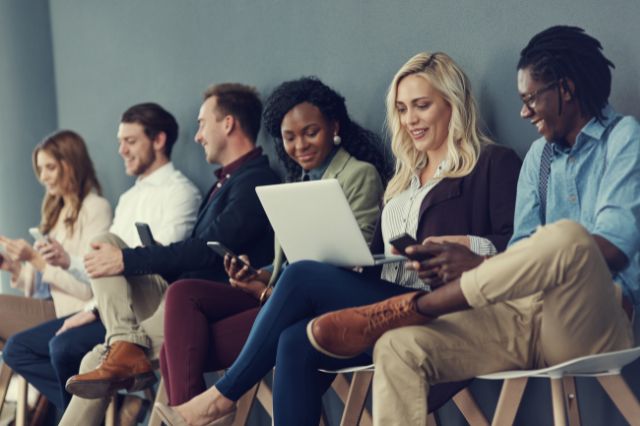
<point>101,388</point>
<point>317,346</point>
<point>170,419</point>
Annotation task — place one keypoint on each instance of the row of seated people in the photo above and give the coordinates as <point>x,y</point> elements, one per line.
<point>460,306</point>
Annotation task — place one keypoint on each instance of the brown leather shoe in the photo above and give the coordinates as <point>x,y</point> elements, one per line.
<point>349,332</point>
<point>125,366</point>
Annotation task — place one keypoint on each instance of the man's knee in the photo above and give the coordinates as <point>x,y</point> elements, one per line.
<point>565,234</point>
<point>92,359</point>
<point>13,351</point>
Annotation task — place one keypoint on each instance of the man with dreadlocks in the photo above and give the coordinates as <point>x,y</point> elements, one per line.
<point>566,285</point>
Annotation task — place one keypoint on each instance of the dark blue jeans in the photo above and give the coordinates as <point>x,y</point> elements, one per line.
<point>47,360</point>
<point>305,290</point>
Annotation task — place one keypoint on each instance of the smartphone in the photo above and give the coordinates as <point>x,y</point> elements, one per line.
<point>401,242</point>
<point>146,237</point>
<point>37,235</point>
<point>221,250</point>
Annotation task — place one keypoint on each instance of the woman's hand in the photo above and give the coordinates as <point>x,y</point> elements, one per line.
<point>53,253</point>
<point>21,251</point>
<point>77,320</point>
<point>253,287</point>
<point>239,271</point>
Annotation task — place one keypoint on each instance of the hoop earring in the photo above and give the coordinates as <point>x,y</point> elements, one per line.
<point>337,140</point>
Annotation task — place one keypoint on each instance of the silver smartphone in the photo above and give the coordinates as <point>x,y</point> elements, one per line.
<point>37,235</point>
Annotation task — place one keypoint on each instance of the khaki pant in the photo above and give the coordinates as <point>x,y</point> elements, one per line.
<point>545,300</point>
<point>131,309</point>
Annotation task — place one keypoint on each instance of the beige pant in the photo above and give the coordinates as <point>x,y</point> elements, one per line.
<point>18,313</point>
<point>131,309</point>
<point>545,300</point>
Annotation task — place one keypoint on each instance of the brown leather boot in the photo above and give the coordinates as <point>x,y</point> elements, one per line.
<point>349,332</point>
<point>125,366</point>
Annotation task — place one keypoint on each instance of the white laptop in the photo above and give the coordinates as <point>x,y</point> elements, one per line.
<point>313,221</point>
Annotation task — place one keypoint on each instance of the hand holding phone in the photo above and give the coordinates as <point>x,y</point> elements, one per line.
<point>222,251</point>
<point>401,242</point>
<point>37,235</point>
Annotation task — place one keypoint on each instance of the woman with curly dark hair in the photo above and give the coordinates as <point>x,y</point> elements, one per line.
<point>315,139</point>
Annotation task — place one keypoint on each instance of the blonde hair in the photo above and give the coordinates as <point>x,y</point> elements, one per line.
<point>464,139</point>
<point>77,177</point>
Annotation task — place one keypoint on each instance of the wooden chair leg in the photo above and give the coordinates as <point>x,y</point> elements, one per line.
<point>509,401</point>
<point>557,400</point>
<point>571,400</point>
<point>23,405</point>
<point>5,379</point>
<point>110,415</point>
<point>356,399</point>
<point>265,397</point>
<point>467,405</point>
<point>161,396</point>
<point>244,406</point>
<point>622,397</point>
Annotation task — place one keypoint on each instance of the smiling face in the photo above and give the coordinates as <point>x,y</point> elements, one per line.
<point>424,113</point>
<point>136,149</point>
<point>211,135</point>
<point>307,135</point>
<point>50,173</point>
<point>542,108</point>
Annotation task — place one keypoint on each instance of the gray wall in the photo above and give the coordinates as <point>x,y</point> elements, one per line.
<point>27,111</point>
<point>109,55</point>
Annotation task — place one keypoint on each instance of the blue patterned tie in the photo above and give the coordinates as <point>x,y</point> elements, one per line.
<point>543,180</point>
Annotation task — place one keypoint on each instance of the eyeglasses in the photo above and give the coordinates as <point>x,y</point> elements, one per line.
<point>530,99</point>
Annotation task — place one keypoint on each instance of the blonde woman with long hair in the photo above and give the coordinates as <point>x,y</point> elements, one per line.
<point>450,183</point>
<point>73,212</point>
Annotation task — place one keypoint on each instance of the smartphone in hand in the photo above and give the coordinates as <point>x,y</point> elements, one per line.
<point>37,235</point>
<point>221,250</point>
<point>401,242</point>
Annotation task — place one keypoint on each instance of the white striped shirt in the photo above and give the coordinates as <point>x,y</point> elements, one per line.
<point>401,215</point>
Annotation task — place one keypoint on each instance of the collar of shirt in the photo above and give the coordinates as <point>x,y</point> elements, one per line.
<point>415,179</point>
<point>592,131</point>
<point>158,177</point>
<point>225,172</point>
<point>318,172</point>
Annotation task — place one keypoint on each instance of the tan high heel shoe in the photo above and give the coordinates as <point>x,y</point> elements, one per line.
<point>172,418</point>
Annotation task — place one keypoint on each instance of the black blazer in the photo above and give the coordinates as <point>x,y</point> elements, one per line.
<point>481,203</point>
<point>234,217</point>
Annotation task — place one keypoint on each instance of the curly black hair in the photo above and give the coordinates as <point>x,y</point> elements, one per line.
<point>356,140</point>
<point>564,52</point>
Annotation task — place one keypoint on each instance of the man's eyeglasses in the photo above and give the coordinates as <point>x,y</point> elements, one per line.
<point>530,99</point>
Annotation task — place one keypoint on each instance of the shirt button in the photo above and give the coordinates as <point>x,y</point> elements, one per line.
<point>219,184</point>
<point>572,198</point>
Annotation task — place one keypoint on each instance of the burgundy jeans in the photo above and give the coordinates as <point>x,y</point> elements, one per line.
<point>205,326</point>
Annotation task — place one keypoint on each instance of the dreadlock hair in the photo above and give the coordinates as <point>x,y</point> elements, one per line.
<point>563,52</point>
<point>356,140</point>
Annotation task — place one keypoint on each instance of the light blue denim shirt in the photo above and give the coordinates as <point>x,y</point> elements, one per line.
<point>595,183</point>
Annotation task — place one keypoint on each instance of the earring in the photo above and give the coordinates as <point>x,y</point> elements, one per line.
<point>337,140</point>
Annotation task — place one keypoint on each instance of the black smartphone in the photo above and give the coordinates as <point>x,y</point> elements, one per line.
<point>146,237</point>
<point>221,250</point>
<point>401,242</point>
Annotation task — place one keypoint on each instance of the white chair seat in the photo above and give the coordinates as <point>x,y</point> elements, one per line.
<point>605,364</point>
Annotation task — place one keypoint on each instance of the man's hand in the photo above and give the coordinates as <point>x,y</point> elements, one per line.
<point>53,253</point>
<point>81,318</point>
<point>105,260</point>
<point>458,239</point>
<point>439,263</point>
